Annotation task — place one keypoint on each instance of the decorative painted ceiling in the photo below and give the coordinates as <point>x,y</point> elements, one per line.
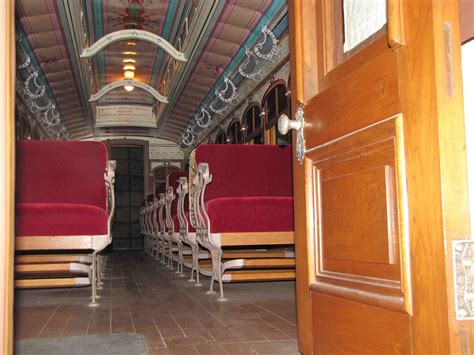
<point>217,38</point>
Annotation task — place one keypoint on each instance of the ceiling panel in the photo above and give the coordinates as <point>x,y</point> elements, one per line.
<point>58,30</point>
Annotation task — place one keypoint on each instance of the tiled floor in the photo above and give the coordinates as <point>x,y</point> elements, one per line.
<point>142,296</point>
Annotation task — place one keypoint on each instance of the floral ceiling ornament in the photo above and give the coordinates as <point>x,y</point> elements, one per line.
<point>254,67</point>
<point>35,107</point>
<point>214,69</point>
<point>268,48</point>
<point>34,95</point>
<point>188,137</point>
<point>250,68</point>
<point>197,131</point>
<point>134,16</point>
<point>39,89</point>
<point>218,107</point>
<point>229,93</point>
<point>25,62</point>
<point>204,119</point>
<point>51,116</point>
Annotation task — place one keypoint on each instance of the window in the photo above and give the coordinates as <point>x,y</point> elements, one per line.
<point>35,135</point>
<point>23,127</point>
<point>275,103</point>
<point>253,125</point>
<point>234,133</point>
<point>221,138</point>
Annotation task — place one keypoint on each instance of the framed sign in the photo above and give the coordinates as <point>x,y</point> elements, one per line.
<point>125,115</point>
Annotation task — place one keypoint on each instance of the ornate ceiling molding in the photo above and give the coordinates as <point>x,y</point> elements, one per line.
<point>34,92</point>
<point>122,83</point>
<point>124,35</point>
<point>261,60</point>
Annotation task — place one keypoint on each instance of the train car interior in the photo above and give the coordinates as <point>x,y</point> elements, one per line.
<point>237,177</point>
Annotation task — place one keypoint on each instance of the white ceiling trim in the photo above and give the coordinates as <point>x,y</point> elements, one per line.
<point>121,83</point>
<point>124,35</point>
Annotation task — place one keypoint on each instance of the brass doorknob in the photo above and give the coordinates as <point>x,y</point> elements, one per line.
<point>285,124</point>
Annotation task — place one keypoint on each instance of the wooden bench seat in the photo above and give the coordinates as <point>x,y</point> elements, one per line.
<point>52,282</point>
<point>51,269</point>
<point>259,275</point>
<point>53,258</point>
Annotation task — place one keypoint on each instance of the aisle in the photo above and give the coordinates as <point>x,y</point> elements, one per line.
<point>142,296</point>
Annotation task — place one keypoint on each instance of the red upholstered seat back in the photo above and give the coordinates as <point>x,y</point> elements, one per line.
<point>61,172</point>
<point>247,170</point>
<point>173,182</point>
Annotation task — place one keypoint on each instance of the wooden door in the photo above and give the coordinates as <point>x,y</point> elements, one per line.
<point>380,196</point>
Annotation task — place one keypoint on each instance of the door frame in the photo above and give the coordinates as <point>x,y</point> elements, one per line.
<point>7,172</point>
<point>116,142</point>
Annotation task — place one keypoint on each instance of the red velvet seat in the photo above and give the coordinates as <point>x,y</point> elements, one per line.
<point>62,192</point>
<point>257,198</point>
<point>60,189</point>
<point>251,214</point>
<point>247,193</point>
<point>246,170</point>
<point>61,172</point>
<point>41,219</point>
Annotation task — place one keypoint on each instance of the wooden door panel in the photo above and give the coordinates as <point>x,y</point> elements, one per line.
<point>363,97</point>
<point>348,327</point>
<point>358,182</point>
<point>358,212</point>
<point>354,217</point>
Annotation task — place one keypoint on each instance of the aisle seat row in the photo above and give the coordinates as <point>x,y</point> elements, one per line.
<point>234,215</point>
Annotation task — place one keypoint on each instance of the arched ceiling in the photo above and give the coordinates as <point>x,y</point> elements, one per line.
<point>212,34</point>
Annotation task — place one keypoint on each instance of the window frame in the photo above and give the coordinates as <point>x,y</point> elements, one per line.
<point>270,122</point>
<point>235,135</point>
<point>221,133</point>
<point>250,135</point>
<point>278,89</point>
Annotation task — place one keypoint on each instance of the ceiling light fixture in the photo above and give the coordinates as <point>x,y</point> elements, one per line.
<point>129,53</point>
<point>129,87</point>
<point>128,67</point>
<point>129,74</point>
<point>129,60</point>
<point>132,43</point>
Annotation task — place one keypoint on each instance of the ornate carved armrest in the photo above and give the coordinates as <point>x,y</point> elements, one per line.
<point>204,178</point>
<point>161,208</point>
<point>109,178</point>
<point>169,197</point>
<point>182,191</point>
